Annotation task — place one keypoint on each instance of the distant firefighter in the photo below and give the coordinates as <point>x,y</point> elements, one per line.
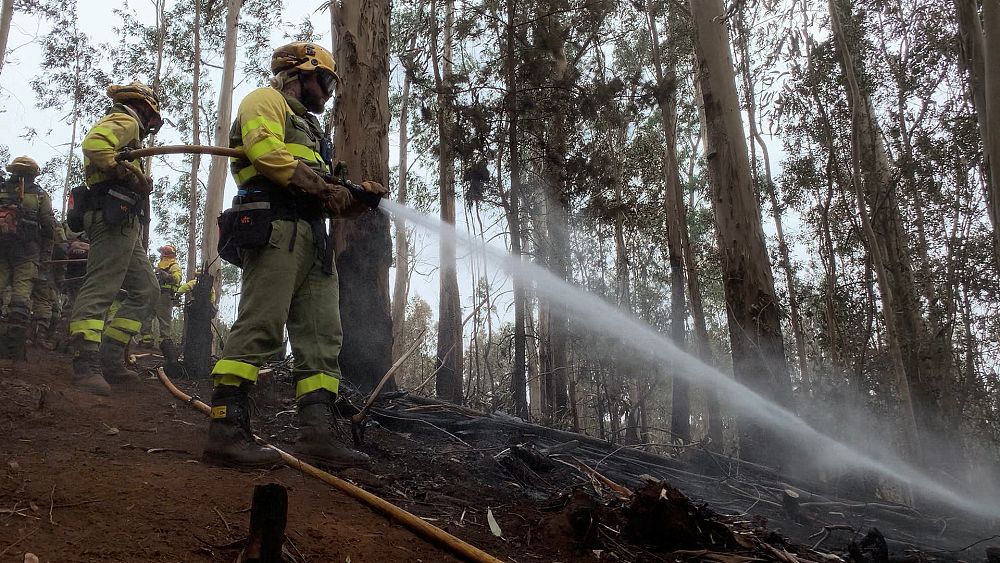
<point>168,274</point>
<point>26,231</point>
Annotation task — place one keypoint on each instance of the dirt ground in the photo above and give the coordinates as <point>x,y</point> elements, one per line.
<point>119,479</point>
<point>85,478</point>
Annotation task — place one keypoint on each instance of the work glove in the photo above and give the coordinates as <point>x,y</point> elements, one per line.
<point>373,193</point>
<point>338,200</point>
<point>133,179</point>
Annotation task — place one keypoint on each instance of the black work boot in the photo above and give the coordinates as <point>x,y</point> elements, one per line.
<point>230,442</point>
<point>15,338</point>
<point>316,443</point>
<point>113,363</point>
<point>40,334</point>
<point>87,368</point>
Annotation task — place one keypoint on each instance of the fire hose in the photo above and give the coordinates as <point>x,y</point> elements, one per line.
<point>372,200</point>
<point>415,524</point>
<point>133,154</point>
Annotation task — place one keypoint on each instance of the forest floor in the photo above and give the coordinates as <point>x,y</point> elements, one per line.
<point>86,478</point>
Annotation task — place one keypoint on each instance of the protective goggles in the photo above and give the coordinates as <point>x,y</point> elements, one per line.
<point>327,81</point>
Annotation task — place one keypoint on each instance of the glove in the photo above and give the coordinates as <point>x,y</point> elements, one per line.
<point>370,193</point>
<point>133,179</point>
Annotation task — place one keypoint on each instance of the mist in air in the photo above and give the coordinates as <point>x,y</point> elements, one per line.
<point>604,318</point>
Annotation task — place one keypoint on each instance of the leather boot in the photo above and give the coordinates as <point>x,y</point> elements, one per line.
<point>87,369</point>
<point>15,338</point>
<point>6,344</point>
<point>230,442</point>
<point>113,364</point>
<point>40,334</point>
<point>316,443</point>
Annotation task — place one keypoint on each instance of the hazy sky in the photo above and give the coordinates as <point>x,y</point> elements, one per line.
<point>96,18</point>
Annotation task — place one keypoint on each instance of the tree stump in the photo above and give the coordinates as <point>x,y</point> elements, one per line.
<point>268,515</point>
<point>198,315</point>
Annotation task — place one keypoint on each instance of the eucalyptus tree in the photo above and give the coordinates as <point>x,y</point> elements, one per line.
<point>71,75</point>
<point>409,21</point>
<point>45,8</point>
<point>753,311</point>
<point>361,124</point>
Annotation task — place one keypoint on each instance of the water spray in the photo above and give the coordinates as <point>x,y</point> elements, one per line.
<point>643,338</point>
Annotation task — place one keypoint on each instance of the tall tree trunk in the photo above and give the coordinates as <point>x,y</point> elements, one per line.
<point>556,203</point>
<point>6,15</point>
<point>991,48</point>
<point>449,341</point>
<point>974,56</point>
<point>220,165</point>
<point>400,290</point>
<point>666,78</point>
<point>75,112</point>
<point>192,254</point>
<point>702,341</point>
<point>364,245</point>
<point>518,376</point>
<point>767,187</point>
<point>882,227</point>
<point>161,24</point>
<point>754,319</point>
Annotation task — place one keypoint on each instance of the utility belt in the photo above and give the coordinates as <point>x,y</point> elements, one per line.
<point>116,204</point>
<point>247,224</point>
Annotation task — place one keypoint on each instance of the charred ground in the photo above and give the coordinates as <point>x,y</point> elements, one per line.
<point>119,479</point>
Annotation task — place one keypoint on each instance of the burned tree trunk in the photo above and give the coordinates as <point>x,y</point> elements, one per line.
<point>364,247</point>
<point>268,517</point>
<point>198,337</point>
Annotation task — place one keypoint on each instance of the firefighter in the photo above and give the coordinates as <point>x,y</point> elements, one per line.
<point>168,274</point>
<point>46,305</point>
<point>26,232</point>
<point>281,243</point>
<point>112,214</point>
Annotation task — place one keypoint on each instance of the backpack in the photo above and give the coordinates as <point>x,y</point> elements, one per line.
<point>9,219</point>
<point>76,206</point>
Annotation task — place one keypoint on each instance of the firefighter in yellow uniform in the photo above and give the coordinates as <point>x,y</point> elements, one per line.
<point>112,213</point>
<point>168,273</point>
<point>276,229</point>
<point>26,231</point>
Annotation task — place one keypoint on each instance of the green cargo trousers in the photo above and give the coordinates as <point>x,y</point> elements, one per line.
<point>44,297</point>
<point>18,271</point>
<point>163,312</point>
<point>284,284</point>
<point>117,260</point>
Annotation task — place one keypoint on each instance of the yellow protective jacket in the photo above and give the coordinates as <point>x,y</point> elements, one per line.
<point>276,132</point>
<point>168,272</point>
<point>117,130</point>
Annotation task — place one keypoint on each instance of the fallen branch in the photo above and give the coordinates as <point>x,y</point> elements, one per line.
<point>360,416</point>
<point>620,489</point>
<point>418,526</point>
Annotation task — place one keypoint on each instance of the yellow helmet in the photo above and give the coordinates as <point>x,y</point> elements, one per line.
<point>134,91</point>
<point>303,56</point>
<point>24,166</point>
